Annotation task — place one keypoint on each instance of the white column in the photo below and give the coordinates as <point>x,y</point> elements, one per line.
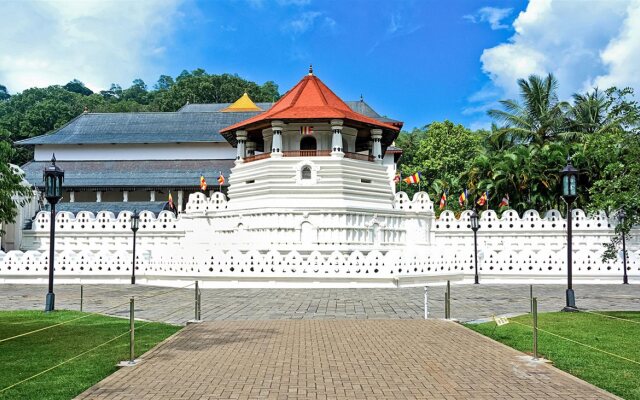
<point>180,198</point>
<point>376,150</point>
<point>251,148</point>
<point>72,196</point>
<point>98,197</point>
<point>336,141</point>
<point>152,195</point>
<point>241,137</point>
<point>276,141</point>
<point>125,196</point>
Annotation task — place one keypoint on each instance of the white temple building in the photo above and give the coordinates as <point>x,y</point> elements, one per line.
<point>310,202</point>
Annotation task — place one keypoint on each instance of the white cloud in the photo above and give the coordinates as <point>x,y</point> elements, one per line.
<point>96,41</point>
<point>492,15</point>
<point>307,21</point>
<point>594,45</point>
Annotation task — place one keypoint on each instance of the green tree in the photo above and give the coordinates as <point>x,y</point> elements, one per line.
<point>538,117</point>
<point>4,94</point>
<point>76,86</point>
<point>12,190</point>
<point>441,152</point>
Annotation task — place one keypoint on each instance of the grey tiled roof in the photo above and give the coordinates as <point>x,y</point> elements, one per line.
<point>192,123</point>
<point>143,127</point>
<point>115,207</point>
<point>135,173</point>
<point>190,108</point>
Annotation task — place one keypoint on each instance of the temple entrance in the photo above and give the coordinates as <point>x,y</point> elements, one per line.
<point>308,143</point>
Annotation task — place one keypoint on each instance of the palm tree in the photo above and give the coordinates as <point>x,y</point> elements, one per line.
<point>538,117</point>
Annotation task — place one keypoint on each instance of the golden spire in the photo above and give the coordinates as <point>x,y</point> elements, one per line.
<point>243,104</point>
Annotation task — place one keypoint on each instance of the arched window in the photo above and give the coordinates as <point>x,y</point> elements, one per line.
<point>308,143</point>
<point>306,172</point>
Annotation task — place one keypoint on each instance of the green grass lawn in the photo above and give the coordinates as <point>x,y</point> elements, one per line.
<point>28,355</point>
<point>607,372</point>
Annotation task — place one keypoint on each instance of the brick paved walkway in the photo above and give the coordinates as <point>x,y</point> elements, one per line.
<point>342,359</point>
<point>468,301</point>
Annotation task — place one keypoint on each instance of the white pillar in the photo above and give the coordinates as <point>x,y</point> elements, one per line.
<point>125,196</point>
<point>180,198</point>
<point>72,196</point>
<point>276,141</point>
<point>336,141</point>
<point>241,137</point>
<point>376,150</point>
<point>251,148</point>
<point>152,195</point>
<point>98,197</point>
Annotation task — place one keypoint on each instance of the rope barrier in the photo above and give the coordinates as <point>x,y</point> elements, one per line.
<point>610,316</point>
<point>64,362</point>
<point>579,343</point>
<point>89,314</point>
<point>162,293</point>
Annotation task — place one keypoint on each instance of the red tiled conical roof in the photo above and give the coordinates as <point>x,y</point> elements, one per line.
<point>308,100</point>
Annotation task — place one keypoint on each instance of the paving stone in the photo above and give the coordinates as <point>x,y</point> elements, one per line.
<point>342,359</point>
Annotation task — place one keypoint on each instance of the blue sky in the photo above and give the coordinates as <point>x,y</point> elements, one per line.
<point>417,61</point>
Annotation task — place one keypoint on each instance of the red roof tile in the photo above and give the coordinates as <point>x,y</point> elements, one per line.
<point>310,99</point>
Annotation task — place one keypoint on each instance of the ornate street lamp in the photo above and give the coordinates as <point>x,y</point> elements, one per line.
<point>475,225</point>
<point>53,177</point>
<point>569,193</point>
<point>134,227</point>
<point>621,217</point>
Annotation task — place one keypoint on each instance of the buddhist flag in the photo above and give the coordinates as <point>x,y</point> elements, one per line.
<point>443,200</point>
<point>413,179</point>
<point>203,183</point>
<point>221,179</point>
<point>483,199</point>
<point>462,200</point>
<point>505,201</point>
<point>306,130</point>
<point>171,201</point>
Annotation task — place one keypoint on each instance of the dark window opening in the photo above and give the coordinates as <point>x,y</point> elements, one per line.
<point>308,143</point>
<point>306,172</point>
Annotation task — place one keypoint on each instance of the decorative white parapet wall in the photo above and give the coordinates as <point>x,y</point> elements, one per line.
<point>318,248</point>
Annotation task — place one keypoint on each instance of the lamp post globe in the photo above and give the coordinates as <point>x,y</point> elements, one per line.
<point>569,176</point>
<point>53,177</point>
<point>622,216</point>
<point>135,218</point>
<point>475,225</point>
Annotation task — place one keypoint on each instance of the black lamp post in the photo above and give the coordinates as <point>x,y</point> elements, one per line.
<point>134,227</point>
<point>53,177</point>
<point>621,217</point>
<point>569,193</point>
<point>474,227</point>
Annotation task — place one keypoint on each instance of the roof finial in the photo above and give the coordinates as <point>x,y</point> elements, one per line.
<point>310,69</point>
<point>361,98</point>
<point>53,159</point>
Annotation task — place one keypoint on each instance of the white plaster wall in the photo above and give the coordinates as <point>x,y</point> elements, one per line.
<point>336,183</point>
<point>320,248</point>
<point>169,151</point>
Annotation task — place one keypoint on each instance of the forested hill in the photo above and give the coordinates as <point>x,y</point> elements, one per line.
<point>38,110</point>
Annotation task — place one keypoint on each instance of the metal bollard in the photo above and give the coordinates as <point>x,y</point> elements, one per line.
<point>81,297</point>
<point>199,305</point>
<point>426,310</point>
<point>446,305</point>
<point>196,317</point>
<point>531,299</point>
<point>132,327</point>
<point>448,300</point>
<point>535,328</point>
